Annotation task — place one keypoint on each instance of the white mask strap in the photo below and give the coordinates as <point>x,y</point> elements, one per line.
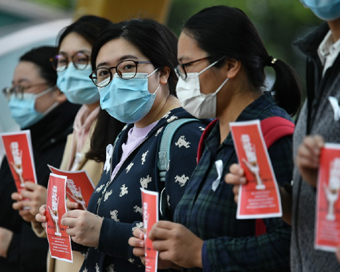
<point>155,92</point>
<point>219,88</point>
<point>153,72</point>
<point>51,108</point>
<point>45,92</point>
<point>206,68</point>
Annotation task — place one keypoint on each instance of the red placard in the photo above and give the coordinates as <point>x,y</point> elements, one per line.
<point>327,229</point>
<point>79,186</point>
<point>259,197</point>
<point>58,239</point>
<point>150,217</point>
<point>18,148</point>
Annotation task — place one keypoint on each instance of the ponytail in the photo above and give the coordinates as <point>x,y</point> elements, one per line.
<point>286,90</point>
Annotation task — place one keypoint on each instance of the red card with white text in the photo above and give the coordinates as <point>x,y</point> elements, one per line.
<point>150,217</point>
<point>79,186</point>
<point>259,197</point>
<point>58,239</point>
<point>327,229</point>
<point>18,148</point>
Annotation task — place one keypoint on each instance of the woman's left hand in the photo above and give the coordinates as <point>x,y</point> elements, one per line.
<point>177,244</point>
<point>83,227</point>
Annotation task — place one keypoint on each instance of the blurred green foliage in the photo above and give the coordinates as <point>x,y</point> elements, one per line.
<point>61,4</point>
<point>279,22</point>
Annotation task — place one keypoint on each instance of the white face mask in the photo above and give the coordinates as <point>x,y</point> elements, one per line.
<point>192,100</point>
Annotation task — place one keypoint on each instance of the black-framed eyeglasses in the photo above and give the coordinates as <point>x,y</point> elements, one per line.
<point>126,69</point>
<point>80,60</point>
<point>19,90</point>
<point>180,69</point>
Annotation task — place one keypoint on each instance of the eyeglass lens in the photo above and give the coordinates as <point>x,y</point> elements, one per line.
<point>125,70</point>
<point>80,61</point>
<point>15,90</point>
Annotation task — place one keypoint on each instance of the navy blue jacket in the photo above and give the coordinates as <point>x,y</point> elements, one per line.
<point>119,200</point>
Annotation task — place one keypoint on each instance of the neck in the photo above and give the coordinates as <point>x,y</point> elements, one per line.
<point>167,104</point>
<point>92,107</point>
<point>230,112</point>
<point>335,28</point>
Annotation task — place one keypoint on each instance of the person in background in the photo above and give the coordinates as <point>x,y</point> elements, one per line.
<point>36,104</point>
<point>221,74</point>
<point>133,64</point>
<point>72,63</point>
<point>317,123</point>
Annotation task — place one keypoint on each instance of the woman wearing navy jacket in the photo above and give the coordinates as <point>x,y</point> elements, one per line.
<point>133,65</point>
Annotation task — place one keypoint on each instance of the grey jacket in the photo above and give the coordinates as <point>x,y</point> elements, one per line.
<point>316,117</point>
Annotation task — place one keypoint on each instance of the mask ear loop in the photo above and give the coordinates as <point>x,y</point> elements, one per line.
<point>221,86</point>
<point>206,68</point>
<point>55,104</point>
<point>154,71</point>
<point>155,92</point>
<point>45,92</point>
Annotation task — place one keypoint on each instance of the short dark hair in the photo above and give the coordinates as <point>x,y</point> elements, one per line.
<point>88,26</point>
<point>156,41</point>
<point>226,31</point>
<point>40,56</point>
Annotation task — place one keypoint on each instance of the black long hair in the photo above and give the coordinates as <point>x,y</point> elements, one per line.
<point>40,56</point>
<point>156,41</point>
<point>87,26</point>
<point>226,31</point>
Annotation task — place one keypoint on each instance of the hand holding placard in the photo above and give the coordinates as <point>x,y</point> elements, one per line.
<point>18,148</point>
<point>259,197</point>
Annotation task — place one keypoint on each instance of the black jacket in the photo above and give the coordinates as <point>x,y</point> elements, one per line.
<point>27,252</point>
<point>316,117</point>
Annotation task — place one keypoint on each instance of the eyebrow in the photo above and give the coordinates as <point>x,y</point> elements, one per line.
<point>81,50</point>
<point>21,80</point>
<point>181,59</point>
<point>125,57</point>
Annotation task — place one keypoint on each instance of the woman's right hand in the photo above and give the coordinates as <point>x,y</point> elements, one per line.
<point>41,216</point>
<point>138,244</point>
<point>308,158</point>
<point>235,177</point>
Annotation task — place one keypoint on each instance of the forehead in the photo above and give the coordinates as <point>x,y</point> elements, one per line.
<point>74,42</point>
<point>188,48</point>
<point>113,51</point>
<point>26,72</point>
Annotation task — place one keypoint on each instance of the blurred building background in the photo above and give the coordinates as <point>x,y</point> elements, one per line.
<point>25,24</point>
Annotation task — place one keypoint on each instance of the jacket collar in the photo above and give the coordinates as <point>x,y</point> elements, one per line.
<point>54,127</point>
<point>309,44</point>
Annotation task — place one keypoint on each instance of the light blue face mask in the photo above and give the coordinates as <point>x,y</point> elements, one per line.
<point>77,86</point>
<point>23,110</point>
<point>127,100</point>
<point>327,10</point>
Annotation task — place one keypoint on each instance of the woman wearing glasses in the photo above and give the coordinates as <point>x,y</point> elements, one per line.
<point>36,104</point>
<point>133,66</point>
<point>222,61</point>
<point>72,63</point>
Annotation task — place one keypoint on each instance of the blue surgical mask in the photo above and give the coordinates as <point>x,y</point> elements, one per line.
<point>327,10</point>
<point>23,110</point>
<point>77,86</point>
<point>128,100</point>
